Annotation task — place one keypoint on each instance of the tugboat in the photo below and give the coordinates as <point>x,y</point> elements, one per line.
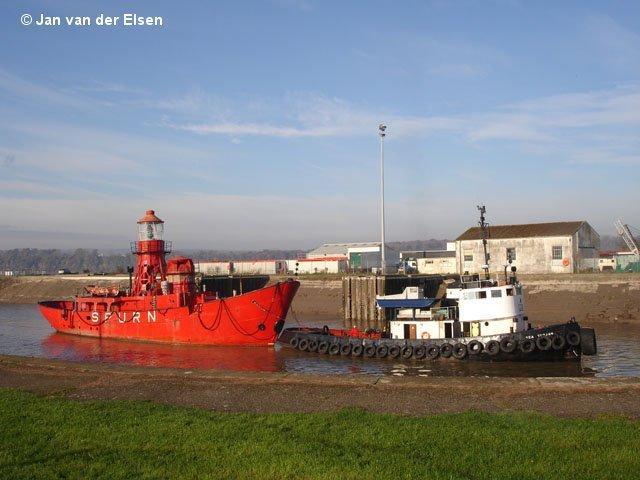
<point>164,305</point>
<point>477,318</point>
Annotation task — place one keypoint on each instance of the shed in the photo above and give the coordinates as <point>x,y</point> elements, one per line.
<point>557,247</point>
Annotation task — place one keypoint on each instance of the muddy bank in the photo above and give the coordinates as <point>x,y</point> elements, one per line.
<point>289,392</point>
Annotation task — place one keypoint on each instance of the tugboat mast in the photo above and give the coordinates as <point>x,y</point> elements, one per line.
<point>483,228</point>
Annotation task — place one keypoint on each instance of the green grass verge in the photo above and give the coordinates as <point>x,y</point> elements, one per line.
<point>57,438</point>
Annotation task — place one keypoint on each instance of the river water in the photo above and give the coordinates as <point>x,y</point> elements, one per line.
<point>24,332</point>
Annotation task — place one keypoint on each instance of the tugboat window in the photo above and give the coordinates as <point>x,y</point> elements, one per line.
<point>496,293</point>
<point>556,253</point>
<point>509,292</point>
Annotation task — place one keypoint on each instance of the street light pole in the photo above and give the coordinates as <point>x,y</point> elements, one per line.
<point>383,263</point>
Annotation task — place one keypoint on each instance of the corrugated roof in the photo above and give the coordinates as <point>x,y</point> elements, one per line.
<point>555,229</point>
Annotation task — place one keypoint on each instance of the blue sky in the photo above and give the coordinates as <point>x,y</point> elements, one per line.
<point>253,124</point>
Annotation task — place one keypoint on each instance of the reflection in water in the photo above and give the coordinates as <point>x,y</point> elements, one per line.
<point>24,332</point>
<point>70,347</point>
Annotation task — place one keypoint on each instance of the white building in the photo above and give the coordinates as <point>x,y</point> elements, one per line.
<point>318,265</point>
<point>430,262</point>
<point>361,256</point>
<point>243,267</point>
<point>560,247</point>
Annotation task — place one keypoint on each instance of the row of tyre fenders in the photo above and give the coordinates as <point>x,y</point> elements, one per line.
<point>459,350</point>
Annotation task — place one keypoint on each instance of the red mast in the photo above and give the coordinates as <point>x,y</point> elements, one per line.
<point>150,248</point>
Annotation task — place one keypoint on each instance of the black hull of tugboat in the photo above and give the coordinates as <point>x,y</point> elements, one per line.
<point>565,342</point>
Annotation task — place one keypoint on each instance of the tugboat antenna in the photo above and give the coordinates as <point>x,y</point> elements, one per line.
<point>483,228</point>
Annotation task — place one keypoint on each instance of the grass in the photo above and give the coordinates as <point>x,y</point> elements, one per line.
<point>57,438</point>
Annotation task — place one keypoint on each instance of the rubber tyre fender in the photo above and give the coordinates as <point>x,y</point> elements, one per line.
<point>370,350</point>
<point>558,342</point>
<point>588,343</point>
<point>334,349</point>
<point>294,341</point>
<point>460,351</point>
<point>433,351</point>
<point>323,347</point>
<point>382,351</point>
<point>420,352</point>
<point>543,343</point>
<point>303,345</point>
<point>407,352</point>
<point>394,351</point>
<point>446,350</point>
<point>527,345</point>
<point>573,338</point>
<point>475,347</point>
<point>345,349</point>
<point>357,350</point>
<point>508,345</point>
<point>313,346</point>
<point>493,347</point>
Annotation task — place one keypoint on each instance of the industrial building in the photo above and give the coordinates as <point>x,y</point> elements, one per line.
<point>619,262</point>
<point>429,262</point>
<point>361,257</point>
<point>243,267</point>
<point>559,247</point>
<point>318,265</point>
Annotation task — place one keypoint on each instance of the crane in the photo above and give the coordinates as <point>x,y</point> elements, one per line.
<point>625,232</point>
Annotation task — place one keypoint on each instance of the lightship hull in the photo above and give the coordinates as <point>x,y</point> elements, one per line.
<point>252,319</point>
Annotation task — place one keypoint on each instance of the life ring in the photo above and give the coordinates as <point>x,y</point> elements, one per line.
<point>426,335</point>
<point>565,262</point>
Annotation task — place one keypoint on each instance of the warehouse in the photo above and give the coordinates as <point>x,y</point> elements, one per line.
<point>242,267</point>
<point>559,247</point>
<point>362,257</point>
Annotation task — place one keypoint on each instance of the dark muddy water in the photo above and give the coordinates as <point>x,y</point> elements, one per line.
<point>24,332</point>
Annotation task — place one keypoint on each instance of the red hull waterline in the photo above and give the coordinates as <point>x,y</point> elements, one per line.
<point>252,319</point>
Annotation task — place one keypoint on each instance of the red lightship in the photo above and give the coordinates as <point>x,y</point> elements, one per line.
<point>164,304</point>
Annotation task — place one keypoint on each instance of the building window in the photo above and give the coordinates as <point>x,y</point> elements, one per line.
<point>556,253</point>
<point>511,254</point>
<point>468,258</point>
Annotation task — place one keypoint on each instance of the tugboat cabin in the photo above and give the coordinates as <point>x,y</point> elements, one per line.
<point>471,308</point>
